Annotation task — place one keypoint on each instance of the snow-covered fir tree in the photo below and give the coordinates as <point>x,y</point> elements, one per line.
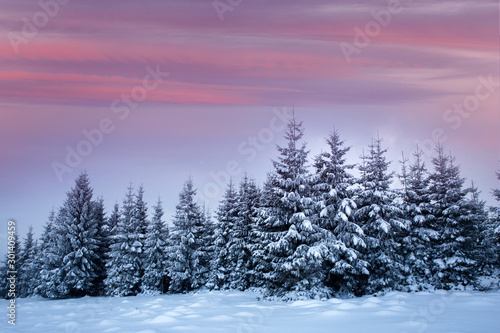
<point>226,246</point>
<point>290,235</point>
<point>102,252</point>
<point>155,278</point>
<point>48,260</point>
<point>126,264</point>
<point>207,249</point>
<point>453,262</point>
<point>233,236</point>
<point>492,237</point>
<point>381,220</point>
<point>27,266</point>
<point>188,261</point>
<point>344,238</point>
<point>112,222</point>
<point>245,240</point>
<point>418,239</point>
<point>476,219</point>
<point>77,243</point>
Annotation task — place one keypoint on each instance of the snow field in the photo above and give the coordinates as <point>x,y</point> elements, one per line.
<point>241,312</point>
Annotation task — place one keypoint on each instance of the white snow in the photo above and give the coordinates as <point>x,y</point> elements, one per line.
<point>461,311</point>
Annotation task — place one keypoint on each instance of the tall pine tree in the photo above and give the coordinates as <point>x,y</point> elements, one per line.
<point>381,220</point>
<point>418,239</point>
<point>453,262</point>
<point>226,245</point>
<point>344,238</point>
<point>188,261</point>
<point>126,263</point>
<point>155,272</point>
<point>290,235</point>
<point>27,266</point>
<point>77,243</point>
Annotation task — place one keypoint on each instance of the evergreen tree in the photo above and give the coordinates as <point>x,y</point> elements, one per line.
<point>103,249</point>
<point>381,220</point>
<point>155,272</point>
<point>453,262</point>
<point>207,249</point>
<point>291,237</point>
<point>77,243</point>
<point>233,266</point>
<point>244,239</point>
<point>475,220</point>
<point>112,222</point>
<point>226,251</point>
<point>418,239</point>
<point>188,262</point>
<point>332,186</point>
<point>27,265</point>
<point>126,266</point>
<point>493,231</point>
<point>496,192</point>
<point>48,261</point>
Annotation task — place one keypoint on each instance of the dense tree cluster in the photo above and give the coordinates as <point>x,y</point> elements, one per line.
<point>312,230</point>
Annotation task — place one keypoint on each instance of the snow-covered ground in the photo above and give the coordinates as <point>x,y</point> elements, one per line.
<point>241,312</point>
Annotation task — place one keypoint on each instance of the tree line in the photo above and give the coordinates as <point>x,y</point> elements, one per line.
<point>312,229</point>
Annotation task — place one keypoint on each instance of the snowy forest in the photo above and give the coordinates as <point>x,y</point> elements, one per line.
<point>313,229</point>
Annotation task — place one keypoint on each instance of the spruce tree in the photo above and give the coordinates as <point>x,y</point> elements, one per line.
<point>226,246</point>
<point>126,263</point>
<point>27,266</point>
<point>381,221</point>
<point>453,262</point>
<point>77,238</point>
<point>418,239</point>
<point>475,219</point>
<point>291,237</point>
<point>155,278</point>
<point>48,261</point>
<point>344,238</point>
<point>103,249</point>
<point>244,238</point>
<point>188,261</point>
<point>493,230</point>
<point>112,222</point>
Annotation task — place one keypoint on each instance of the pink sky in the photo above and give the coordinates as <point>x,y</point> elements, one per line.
<point>225,78</point>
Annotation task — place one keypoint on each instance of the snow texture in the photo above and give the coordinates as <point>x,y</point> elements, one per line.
<point>230,311</point>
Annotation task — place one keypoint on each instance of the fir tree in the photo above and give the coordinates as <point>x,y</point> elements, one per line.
<point>76,230</point>
<point>225,244</point>
<point>380,219</point>
<point>453,262</point>
<point>418,239</point>
<point>126,266</point>
<point>102,238</point>
<point>292,246</point>
<point>475,219</point>
<point>496,192</point>
<point>244,238</point>
<point>344,238</point>
<point>49,260</point>
<point>493,231</point>
<point>188,262</point>
<point>27,266</point>
<point>112,222</point>
<point>155,273</point>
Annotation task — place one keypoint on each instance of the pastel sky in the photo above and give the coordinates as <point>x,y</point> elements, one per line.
<point>65,68</point>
